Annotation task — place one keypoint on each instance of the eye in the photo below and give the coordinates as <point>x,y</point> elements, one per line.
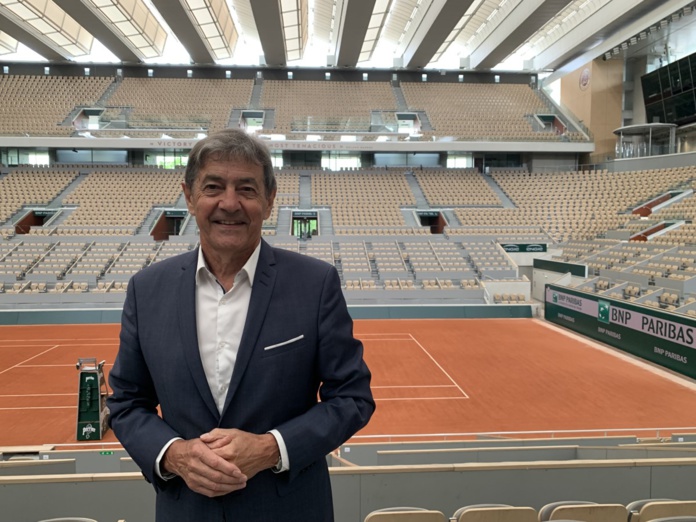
<point>211,187</point>
<point>247,190</point>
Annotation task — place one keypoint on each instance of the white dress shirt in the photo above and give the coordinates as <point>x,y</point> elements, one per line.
<point>220,320</point>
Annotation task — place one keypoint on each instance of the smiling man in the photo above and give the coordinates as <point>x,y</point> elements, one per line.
<point>235,342</point>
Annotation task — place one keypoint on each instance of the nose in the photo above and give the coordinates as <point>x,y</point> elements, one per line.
<point>229,201</point>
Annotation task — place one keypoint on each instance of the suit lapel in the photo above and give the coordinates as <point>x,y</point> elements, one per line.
<point>261,292</point>
<point>186,309</point>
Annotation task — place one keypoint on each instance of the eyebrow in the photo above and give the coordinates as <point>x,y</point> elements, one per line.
<point>215,177</point>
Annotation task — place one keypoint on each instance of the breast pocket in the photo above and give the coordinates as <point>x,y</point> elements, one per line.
<point>285,346</point>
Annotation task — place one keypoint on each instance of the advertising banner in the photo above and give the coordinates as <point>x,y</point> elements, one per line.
<point>661,337</point>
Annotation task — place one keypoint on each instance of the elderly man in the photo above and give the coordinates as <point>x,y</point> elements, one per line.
<point>247,351</point>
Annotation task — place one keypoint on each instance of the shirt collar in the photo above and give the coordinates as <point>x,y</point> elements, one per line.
<point>249,267</point>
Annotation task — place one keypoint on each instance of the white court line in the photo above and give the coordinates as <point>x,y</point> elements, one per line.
<point>618,353</point>
<point>453,385</point>
<point>424,399</point>
<point>30,358</point>
<point>41,408</point>
<point>25,345</point>
<point>416,386</point>
<point>53,365</point>
<point>56,340</point>
<point>39,395</point>
<point>441,368</point>
<point>387,339</point>
<point>378,337</point>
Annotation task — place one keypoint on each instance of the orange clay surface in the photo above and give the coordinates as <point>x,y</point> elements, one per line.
<point>433,379</point>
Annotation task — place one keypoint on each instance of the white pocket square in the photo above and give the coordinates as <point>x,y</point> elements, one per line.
<point>294,339</point>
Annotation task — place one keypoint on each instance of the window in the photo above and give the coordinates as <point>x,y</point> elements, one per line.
<point>496,78</point>
<point>364,77</point>
<point>150,72</point>
<point>119,73</point>
<point>327,76</point>
<point>5,69</point>
<point>87,71</point>
<point>289,75</point>
<point>460,78</point>
<point>228,74</point>
<point>189,73</point>
<point>47,71</point>
<point>424,77</point>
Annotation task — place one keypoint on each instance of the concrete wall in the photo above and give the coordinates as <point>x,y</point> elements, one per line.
<point>109,497</point>
<point>376,311</point>
<point>594,93</point>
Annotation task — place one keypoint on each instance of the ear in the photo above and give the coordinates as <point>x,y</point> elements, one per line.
<point>269,204</point>
<point>189,200</point>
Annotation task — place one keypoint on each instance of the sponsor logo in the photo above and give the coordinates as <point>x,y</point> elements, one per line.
<point>535,248</point>
<point>88,430</point>
<point>554,297</point>
<point>603,311</point>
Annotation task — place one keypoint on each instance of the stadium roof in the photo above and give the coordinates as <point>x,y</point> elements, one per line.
<point>529,35</point>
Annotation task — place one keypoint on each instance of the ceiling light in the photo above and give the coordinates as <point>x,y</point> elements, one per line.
<point>51,22</point>
<point>135,22</point>
<point>214,23</point>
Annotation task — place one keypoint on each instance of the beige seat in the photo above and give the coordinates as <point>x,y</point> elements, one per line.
<point>405,514</point>
<point>68,519</point>
<point>546,511</point>
<point>591,513</point>
<point>661,509</point>
<point>495,514</point>
<point>635,507</point>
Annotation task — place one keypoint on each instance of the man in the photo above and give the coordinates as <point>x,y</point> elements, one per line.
<point>236,342</point>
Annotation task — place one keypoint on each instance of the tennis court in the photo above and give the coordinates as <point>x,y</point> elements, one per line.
<point>432,379</point>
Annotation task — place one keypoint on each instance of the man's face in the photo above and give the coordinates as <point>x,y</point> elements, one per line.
<point>229,202</point>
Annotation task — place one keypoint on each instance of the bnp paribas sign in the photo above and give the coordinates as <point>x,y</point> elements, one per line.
<point>657,335</point>
<point>604,312</point>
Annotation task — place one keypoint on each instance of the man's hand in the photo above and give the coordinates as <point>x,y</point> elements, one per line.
<point>203,471</point>
<point>249,452</point>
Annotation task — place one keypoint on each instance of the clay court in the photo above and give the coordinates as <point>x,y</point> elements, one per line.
<point>433,379</point>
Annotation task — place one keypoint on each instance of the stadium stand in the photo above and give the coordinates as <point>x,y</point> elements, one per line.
<point>38,105</point>
<point>99,235</point>
<point>182,106</point>
<point>309,107</point>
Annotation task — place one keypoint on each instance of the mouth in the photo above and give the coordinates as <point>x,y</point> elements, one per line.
<point>228,222</point>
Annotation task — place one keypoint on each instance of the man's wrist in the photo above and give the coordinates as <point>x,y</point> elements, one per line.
<point>282,463</point>
<point>160,461</point>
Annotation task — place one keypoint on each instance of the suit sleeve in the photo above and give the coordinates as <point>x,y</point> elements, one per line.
<point>133,402</point>
<point>346,400</point>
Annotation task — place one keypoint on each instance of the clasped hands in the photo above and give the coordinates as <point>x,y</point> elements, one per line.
<point>220,461</point>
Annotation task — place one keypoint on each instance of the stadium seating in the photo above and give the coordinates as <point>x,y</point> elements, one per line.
<point>494,513</point>
<point>405,514</point>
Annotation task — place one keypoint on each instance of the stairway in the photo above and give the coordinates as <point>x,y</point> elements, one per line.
<point>305,191</point>
<point>506,201</point>
<point>284,223</point>
<point>256,92</point>
<point>399,95</point>
<point>421,201</point>
<point>325,222</point>
<point>58,200</point>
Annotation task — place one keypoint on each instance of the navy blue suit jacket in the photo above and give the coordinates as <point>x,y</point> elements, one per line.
<point>294,297</point>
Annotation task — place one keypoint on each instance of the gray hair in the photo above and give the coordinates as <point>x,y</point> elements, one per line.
<point>226,145</point>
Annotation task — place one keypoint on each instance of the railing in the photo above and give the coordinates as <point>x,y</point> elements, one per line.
<point>541,434</point>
